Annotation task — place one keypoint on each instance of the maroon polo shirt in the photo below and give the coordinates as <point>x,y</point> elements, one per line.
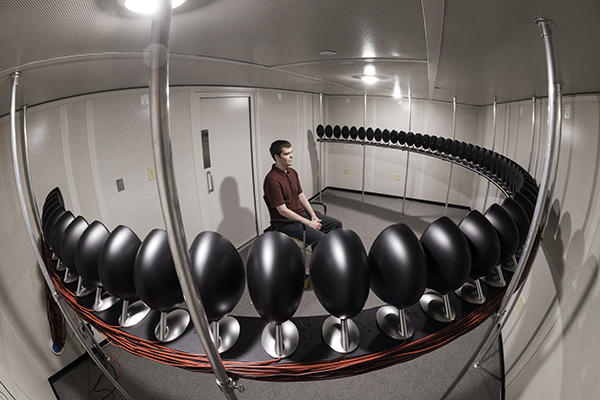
<point>283,188</point>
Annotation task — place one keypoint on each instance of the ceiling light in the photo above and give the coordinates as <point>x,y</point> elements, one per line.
<point>146,6</point>
<point>397,94</point>
<point>369,69</point>
<point>328,52</point>
<point>370,78</point>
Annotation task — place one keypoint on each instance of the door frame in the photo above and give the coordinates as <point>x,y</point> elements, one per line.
<point>201,183</point>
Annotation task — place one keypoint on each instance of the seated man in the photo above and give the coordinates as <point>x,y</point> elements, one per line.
<point>283,190</point>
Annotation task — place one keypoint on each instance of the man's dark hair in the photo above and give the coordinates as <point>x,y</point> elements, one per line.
<point>278,146</point>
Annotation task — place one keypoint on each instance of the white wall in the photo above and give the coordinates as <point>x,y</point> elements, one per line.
<point>551,344</point>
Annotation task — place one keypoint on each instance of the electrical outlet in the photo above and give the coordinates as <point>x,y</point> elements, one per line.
<point>347,171</point>
<point>520,303</point>
<point>120,185</point>
<point>396,177</point>
<point>567,111</point>
<point>151,173</point>
<point>144,99</point>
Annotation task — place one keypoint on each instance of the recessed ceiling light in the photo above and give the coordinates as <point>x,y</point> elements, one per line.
<point>146,6</point>
<point>369,78</point>
<point>328,52</point>
<point>369,69</point>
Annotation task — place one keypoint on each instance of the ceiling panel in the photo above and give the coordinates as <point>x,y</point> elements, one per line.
<point>472,49</point>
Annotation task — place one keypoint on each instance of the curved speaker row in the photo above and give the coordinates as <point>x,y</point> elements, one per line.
<point>516,180</point>
<point>398,268</point>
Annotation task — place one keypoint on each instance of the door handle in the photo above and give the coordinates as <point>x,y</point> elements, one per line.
<point>210,182</point>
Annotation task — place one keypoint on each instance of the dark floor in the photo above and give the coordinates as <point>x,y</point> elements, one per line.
<point>426,377</point>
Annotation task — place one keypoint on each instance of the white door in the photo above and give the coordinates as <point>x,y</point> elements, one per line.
<point>225,138</point>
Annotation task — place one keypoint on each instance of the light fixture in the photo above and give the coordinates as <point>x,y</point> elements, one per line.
<point>146,6</point>
<point>327,53</point>
<point>370,78</point>
<point>369,69</point>
<point>397,94</point>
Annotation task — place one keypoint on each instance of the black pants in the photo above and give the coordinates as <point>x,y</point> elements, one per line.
<point>313,236</point>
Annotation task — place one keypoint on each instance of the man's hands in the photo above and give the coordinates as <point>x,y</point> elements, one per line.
<point>315,223</point>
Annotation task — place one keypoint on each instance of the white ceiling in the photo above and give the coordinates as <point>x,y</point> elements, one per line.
<point>471,49</point>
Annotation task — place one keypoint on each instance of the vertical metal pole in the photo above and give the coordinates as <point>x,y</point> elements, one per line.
<point>451,164</point>
<point>27,170</point>
<point>59,301</point>
<point>364,171</point>
<point>487,192</point>
<point>169,199</point>
<point>533,99</point>
<point>407,154</point>
<point>541,205</point>
<point>320,147</point>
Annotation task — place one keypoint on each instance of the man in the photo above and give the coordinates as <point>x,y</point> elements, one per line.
<point>287,200</point>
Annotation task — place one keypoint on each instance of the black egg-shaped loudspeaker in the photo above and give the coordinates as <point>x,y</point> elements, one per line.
<point>56,192</point>
<point>345,132</point>
<point>377,135</point>
<point>448,146</point>
<point>337,131</point>
<point>448,255</point>
<point>328,131</point>
<point>461,150</point>
<point>469,152</point>
<point>503,167</point>
<point>398,266</point>
<point>385,135</point>
<point>50,222</point>
<point>425,141</point>
<point>320,130</point>
<point>116,261</point>
<point>506,229</point>
<point>483,242</point>
<point>69,240</point>
<point>475,153</point>
<point>218,272</point>
<point>154,273</point>
<point>410,138</point>
<point>498,167</point>
<point>532,197</point>
<point>418,140</point>
<point>493,159</point>
<point>433,142</point>
<point>439,146</point>
<point>370,133</point>
<point>520,217</point>
<point>402,137</point>
<point>487,156</point>
<point>361,133</point>
<point>481,157</point>
<point>525,204</point>
<point>353,132</point>
<point>52,206</point>
<point>59,229</point>
<point>52,201</point>
<point>454,148</point>
<point>275,276</point>
<point>339,272</point>
<point>88,250</point>
<point>394,136</point>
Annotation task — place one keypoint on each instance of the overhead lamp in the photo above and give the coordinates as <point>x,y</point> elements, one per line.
<point>369,69</point>
<point>146,6</point>
<point>370,78</point>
